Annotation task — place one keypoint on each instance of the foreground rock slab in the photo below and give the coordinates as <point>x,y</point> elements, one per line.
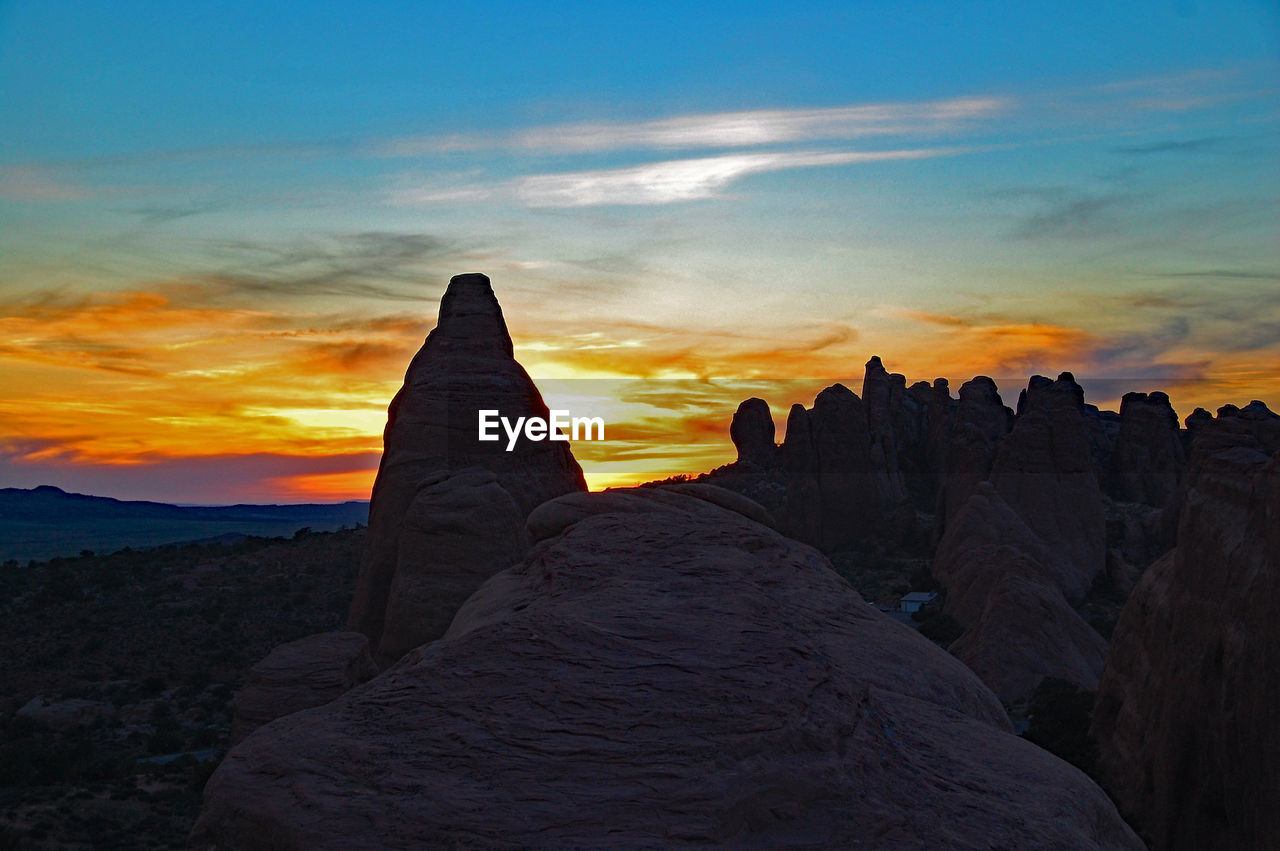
<point>659,671</point>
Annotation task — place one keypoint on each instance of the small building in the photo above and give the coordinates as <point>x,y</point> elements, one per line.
<point>917,600</point>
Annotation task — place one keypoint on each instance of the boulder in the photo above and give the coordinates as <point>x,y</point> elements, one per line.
<point>466,365</point>
<point>670,675</point>
<point>299,675</point>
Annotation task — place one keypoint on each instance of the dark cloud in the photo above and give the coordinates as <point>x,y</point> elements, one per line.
<point>159,214</point>
<point>374,264</point>
<point>1243,302</point>
<point>1180,146</point>
<point>1238,274</point>
<point>1252,336</point>
<point>361,356</point>
<point>1072,215</point>
<point>1144,347</point>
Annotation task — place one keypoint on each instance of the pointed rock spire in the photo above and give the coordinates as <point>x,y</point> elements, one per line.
<point>466,365</point>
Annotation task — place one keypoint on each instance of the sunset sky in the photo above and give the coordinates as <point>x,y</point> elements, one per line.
<point>225,227</point>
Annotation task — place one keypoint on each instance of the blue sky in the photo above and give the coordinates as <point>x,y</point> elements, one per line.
<point>657,190</point>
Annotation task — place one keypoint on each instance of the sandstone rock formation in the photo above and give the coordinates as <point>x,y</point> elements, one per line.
<point>308,672</point>
<point>726,499</point>
<point>833,489</point>
<point>851,468</point>
<point>1185,717</point>
<point>1148,461</point>
<point>883,396</point>
<point>460,529</point>
<point>981,423</point>
<point>1024,536</point>
<point>1025,633</point>
<point>1045,472</point>
<point>659,671</point>
<point>1197,419</point>
<point>465,365</point>
<point>928,452</point>
<point>1264,424</point>
<point>1005,586</point>
<point>752,432</point>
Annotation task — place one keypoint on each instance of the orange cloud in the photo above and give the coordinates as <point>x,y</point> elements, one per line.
<point>628,349</point>
<point>961,347</point>
<point>145,381</point>
<point>325,487</point>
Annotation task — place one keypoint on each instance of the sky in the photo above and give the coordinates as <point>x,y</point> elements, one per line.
<point>225,227</point>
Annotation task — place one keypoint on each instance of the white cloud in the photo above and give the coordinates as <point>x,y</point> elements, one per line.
<point>744,129</point>
<point>673,181</point>
<point>431,194</point>
<point>765,126</point>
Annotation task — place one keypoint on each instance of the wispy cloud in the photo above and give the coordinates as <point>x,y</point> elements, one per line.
<point>1181,91</point>
<point>623,348</point>
<point>1230,274</point>
<point>745,129</point>
<point>1203,144</point>
<point>1074,215</point>
<point>1178,92</point>
<point>379,265</point>
<point>666,182</point>
<point>39,183</point>
<point>767,126</point>
<point>683,180</point>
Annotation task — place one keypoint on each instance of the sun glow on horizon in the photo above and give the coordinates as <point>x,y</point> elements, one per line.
<point>123,382</point>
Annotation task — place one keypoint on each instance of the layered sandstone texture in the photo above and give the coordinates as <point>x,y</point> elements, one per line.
<point>660,670</point>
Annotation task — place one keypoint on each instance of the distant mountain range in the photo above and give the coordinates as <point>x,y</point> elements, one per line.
<point>47,522</point>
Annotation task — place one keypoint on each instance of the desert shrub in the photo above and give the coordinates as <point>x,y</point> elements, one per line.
<point>197,678</point>
<point>1104,625</point>
<point>201,773</point>
<point>941,629</point>
<point>40,758</point>
<point>1060,713</point>
<point>165,741</point>
<point>203,738</point>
